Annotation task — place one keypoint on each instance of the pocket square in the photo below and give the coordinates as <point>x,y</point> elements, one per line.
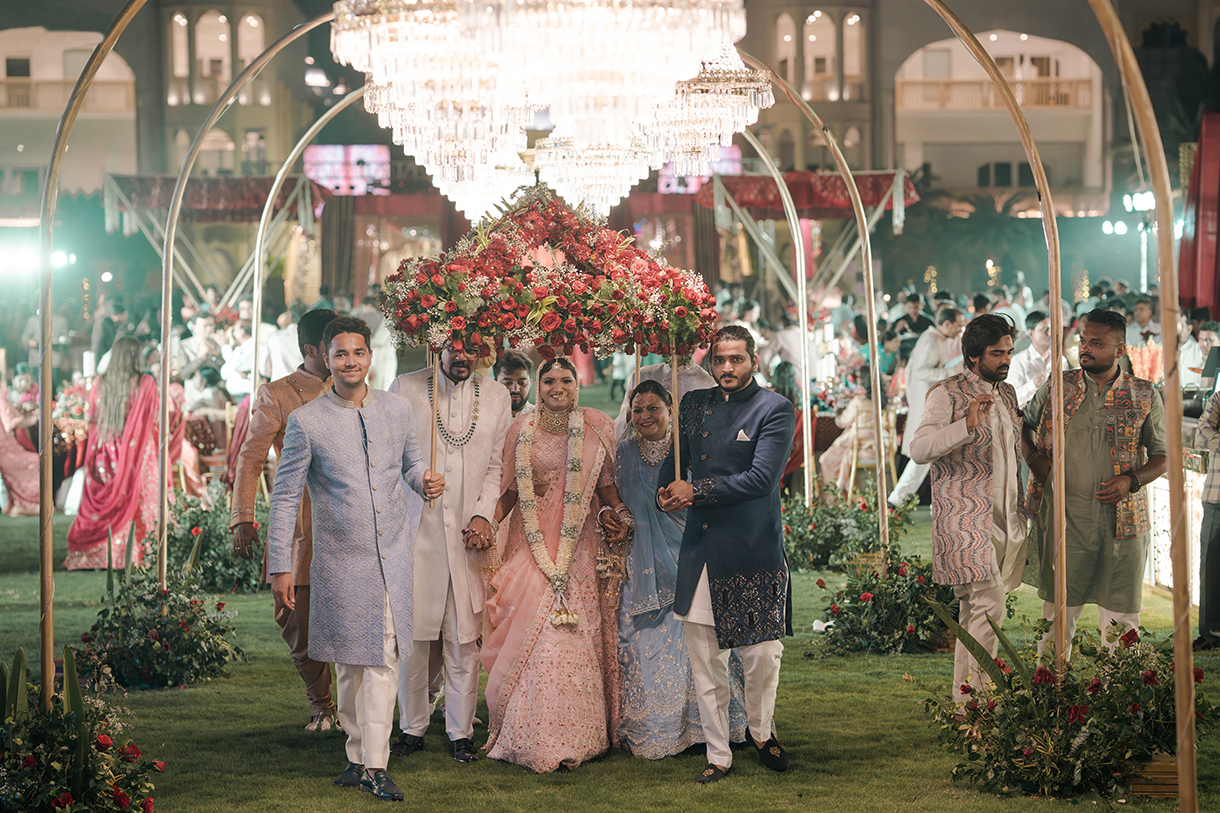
<point>741,435</point>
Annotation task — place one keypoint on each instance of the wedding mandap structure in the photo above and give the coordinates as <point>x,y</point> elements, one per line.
<point>628,86</point>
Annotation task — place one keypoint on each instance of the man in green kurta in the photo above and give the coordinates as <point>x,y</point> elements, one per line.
<point>1115,441</point>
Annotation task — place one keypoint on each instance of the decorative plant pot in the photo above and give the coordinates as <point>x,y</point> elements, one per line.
<point>1157,778</point>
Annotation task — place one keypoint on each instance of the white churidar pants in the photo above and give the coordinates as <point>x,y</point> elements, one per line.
<point>710,669</point>
<point>976,601</point>
<point>912,477</point>
<point>1127,621</point>
<point>461,681</point>
<point>365,697</point>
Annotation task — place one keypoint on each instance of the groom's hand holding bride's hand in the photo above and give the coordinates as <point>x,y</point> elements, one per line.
<point>478,535</point>
<point>434,484</point>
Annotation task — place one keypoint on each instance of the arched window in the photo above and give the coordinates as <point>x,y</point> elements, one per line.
<point>820,68</point>
<point>853,57</point>
<point>213,56</point>
<point>250,39</point>
<point>785,47</point>
<point>179,61</point>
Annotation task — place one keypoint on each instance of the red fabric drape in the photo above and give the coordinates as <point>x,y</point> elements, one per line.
<point>817,195</point>
<point>210,200</point>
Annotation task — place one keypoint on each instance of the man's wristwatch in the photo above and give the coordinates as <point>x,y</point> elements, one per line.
<point>1136,485</point>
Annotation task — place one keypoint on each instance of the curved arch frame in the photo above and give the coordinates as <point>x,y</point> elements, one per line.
<point>1158,167</point>
<point>171,227</point>
<point>866,249</point>
<point>260,267</point>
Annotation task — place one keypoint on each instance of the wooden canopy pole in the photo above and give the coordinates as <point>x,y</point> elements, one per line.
<point>1158,171</point>
<point>1050,228</point>
<point>436,410</point>
<point>46,391</point>
<point>673,374</point>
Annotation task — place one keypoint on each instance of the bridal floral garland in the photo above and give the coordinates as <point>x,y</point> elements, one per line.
<point>556,572</point>
<point>545,274</point>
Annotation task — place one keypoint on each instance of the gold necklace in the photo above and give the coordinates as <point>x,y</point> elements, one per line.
<point>552,422</point>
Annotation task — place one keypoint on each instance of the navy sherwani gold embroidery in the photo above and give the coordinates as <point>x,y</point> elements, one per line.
<point>733,451</point>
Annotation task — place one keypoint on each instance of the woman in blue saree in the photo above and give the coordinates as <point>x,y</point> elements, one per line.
<point>660,715</point>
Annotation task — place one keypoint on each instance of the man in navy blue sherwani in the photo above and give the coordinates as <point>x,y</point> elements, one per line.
<point>733,584</point>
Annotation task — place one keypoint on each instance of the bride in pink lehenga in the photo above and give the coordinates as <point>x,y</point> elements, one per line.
<point>552,653</point>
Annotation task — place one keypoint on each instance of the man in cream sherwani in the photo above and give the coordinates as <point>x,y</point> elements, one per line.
<point>355,448</point>
<point>449,596</point>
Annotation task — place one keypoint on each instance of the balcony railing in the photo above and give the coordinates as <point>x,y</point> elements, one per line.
<point>980,94</point>
<point>53,94</point>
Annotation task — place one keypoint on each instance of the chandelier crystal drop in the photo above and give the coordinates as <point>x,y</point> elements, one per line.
<point>723,99</point>
<point>479,195</point>
<point>598,177</point>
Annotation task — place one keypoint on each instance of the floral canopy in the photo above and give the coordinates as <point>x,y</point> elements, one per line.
<point>546,274</point>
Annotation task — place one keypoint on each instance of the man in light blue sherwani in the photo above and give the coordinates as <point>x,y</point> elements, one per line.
<point>355,449</point>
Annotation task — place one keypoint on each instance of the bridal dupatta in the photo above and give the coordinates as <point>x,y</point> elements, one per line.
<point>120,483</point>
<point>552,691</point>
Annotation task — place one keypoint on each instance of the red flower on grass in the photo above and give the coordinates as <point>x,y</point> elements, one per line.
<point>102,743</point>
<point>1043,676</point>
<point>1198,675</point>
<point>129,752</point>
<point>160,766</point>
<point>1076,713</point>
<point>121,799</point>
<point>902,569</point>
<point>835,609</point>
<point>146,806</point>
<point>821,583</point>
<point>220,605</point>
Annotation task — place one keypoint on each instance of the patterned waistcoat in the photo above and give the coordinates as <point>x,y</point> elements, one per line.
<point>962,502</point>
<point>1127,404</point>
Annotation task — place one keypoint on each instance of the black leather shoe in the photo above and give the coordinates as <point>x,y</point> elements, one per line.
<point>464,750</point>
<point>381,785</point>
<point>1202,644</point>
<point>712,774</point>
<point>350,777</point>
<point>406,745</point>
<point>772,754</point>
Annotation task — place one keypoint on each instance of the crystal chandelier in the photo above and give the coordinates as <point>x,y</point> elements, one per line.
<point>602,66</point>
<point>723,99</point>
<point>598,177</point>
<point>478,195</point>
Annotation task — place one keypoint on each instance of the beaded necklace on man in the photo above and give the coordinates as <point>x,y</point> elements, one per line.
<point>449,437</point>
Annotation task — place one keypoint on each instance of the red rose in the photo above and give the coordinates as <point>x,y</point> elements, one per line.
<point>680,312</point>
<point>617,335</point>
<point>458,323</point>
<point>991,704</point>
<point>579,287</point>
<point>1043,676</point>
<point>421,278</point>
<point>1028,752</point>
<point>540,291</point>
<point>522,311</point>
<point>616,294</point>
<point>902,569</point>
<point>863,504</point>
<point>550,321</point>
<point>866,596</point>
<point>154,634</point>
<point>547,352</point>
<point>257,525</point>
<point>146,806</point>
<point>28,762</point>
<point>812,525</point>
<point>1094,686</point>
<point>910,629</point>
<point>121,799</point>
<point>966,688</point>
<point>835,609</point>
<point>165,646</point>
<point>63,800</point>
<point>86,638</point>
<point>919,579</point>
<point>129,752</point>
<point>461,287</point>
<point>1129,638</point>
<point>196,531</point>
<point>1076,713</point>
<point>509,304</point>
<point>427,301</point>
<point>451,307</point>
<point>569,325</point>
<point>437,279</point>
<point>820,582</point>
<point>1198,675</point>
<point>787,530</point>
<point>574,308</point>
<point>1150,678</point>
<point>102,743</point>
<point>595,325</point>
<point>1134,708</point>
<point>160,766</point>
<point>220,605</point>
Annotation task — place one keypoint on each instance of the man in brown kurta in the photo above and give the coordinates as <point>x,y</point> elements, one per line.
<point>273,404</point>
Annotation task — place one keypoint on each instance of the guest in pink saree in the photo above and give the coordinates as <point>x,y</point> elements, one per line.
<point>552,653</point>
<point>120,463</point>
<point>18,465</point>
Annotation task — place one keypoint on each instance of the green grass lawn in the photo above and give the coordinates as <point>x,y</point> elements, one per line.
<point>854,726</point>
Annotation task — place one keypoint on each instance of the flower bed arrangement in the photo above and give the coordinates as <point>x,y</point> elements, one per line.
<point>821,535</point>
<point>886,615</point>
<point>216,567</point>
<point>148,638</point>
<point>548,275</point>
<point>70,757</point>
<point>1030,730</point>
